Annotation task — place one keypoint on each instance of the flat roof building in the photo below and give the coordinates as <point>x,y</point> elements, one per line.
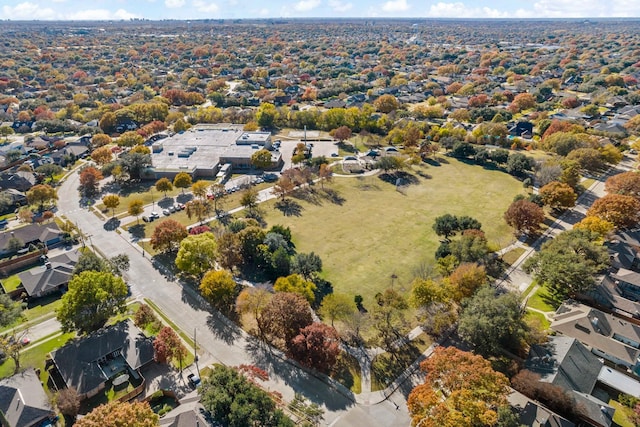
<point>203,149</point>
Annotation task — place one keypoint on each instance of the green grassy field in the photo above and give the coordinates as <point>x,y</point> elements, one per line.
<point>368,231</point>
<point>622,416</point>
<point>11,283</point>
<point>541,300</point>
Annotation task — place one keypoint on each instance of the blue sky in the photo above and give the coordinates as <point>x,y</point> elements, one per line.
<point>200,9</point>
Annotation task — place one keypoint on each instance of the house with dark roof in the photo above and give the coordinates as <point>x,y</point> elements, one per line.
<point>565,362</point>
<point>51,277</point>
<point>23,401</point>
<point>21,180</point>
<point>533,414</point>
<point>612,338</point>
<point>90,363</point>
<point>33,234</point>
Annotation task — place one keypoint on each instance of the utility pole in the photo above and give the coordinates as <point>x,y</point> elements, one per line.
<point>195,351</point>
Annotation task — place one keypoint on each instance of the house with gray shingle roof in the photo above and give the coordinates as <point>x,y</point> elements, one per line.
<point>23,401</point>
<point>50,277</point>
<point>609,337</point>
<point>89,363</point>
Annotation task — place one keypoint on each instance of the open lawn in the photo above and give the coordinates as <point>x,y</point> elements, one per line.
<point>541,300</point>
<point>347,372</point>
<point>538,319</point>
<point>365,231</point>
<point>11,283</point>
<point>512,256</point>
<point>34,356</point>
<point>622,416</point>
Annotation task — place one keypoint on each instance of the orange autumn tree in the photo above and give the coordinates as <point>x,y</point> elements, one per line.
<point>461,389</point>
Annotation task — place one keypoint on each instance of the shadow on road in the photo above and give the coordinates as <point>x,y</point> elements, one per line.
<point>297,378</point>
<point>112,224</point>
<point>221,330</point>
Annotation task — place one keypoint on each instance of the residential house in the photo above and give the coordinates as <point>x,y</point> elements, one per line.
<point>532,414</point>
<point>33,234</point>
<point>565,362</point>
<point>89,363</point>
<point>20,180</point>
<point>619,291</point>
<point>76,150</point>
<point>51,277</point>
<point>614,339</point>
<point>521,129</point>
<point>189,414</point>
<point>23,401</point>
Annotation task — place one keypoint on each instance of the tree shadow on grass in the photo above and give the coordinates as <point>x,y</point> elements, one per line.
<point>165,202</point>
<point>309,195</point>
<point>111,224</point>
<point>333,196</point>
<point>137,231</point>
<point>423,174</point>
<point>289,207</point>
<point>399,178</point>
<point>431,162</point>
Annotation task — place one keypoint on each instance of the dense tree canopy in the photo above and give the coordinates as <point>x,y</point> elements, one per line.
<point>120,414</point>
<point>197,253</point>
<point>491,322</point>
<point>569,263</point>
<point>93,297</point>
<point>622,211</point>
<point>167,235</point>
<point>234,401</point>
<point>460,390</point>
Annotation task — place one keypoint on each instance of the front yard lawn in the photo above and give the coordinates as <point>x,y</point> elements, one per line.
<point>11,283</point>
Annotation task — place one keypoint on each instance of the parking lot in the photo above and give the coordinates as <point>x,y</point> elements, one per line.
<point>328,149</point>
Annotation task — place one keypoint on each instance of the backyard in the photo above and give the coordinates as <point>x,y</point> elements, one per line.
<point>369,231</point>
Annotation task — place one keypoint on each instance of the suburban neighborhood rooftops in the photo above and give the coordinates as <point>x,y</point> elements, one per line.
<point>79,360</point>
<point>597,330</point>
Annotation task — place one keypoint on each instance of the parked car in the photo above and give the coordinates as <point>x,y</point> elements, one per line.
<point>166,212</point>
<point>172,209</point>
<point>154,215</point>
<point>194,380</point>
<point>146,219</point>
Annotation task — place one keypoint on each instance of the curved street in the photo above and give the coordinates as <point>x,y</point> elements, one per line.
<point>221,341</point>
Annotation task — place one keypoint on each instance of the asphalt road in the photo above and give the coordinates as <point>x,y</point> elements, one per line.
<point>517,279</point>
<point>220,340</point>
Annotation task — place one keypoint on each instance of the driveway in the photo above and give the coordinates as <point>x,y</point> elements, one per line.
<point>218,339</point>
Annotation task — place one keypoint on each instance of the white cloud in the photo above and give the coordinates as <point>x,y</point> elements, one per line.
<point>460,10</point>
<point>262,12</point>
<point>202,6</point>
<point>27,11</point>
<point>339,6</point>
<point>100,14</point>
<point>306,5</point>
<point>123,14</point>
<point>587,8</point>
<point>396,6</point>
<point>172,4</point>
